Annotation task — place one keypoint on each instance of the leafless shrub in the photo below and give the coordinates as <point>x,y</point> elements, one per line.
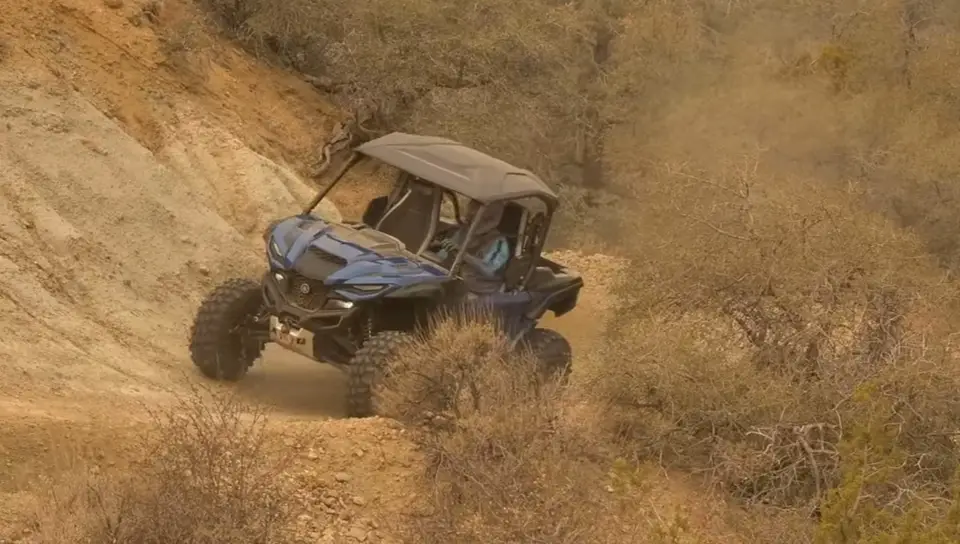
<point>184,40</point>
<point>505,463</point>
<point>209,474</point>
<point>762,317</point>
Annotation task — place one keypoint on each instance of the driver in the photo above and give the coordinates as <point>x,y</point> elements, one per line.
<point>488,251</point>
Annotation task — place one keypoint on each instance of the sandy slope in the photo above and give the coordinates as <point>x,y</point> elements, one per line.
<point>107,247</point>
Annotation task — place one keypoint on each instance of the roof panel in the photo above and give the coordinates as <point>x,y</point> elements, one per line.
<point>457,167</point>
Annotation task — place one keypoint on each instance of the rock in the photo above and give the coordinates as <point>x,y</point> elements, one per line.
<point>359,501</point>
<point>341,477</point>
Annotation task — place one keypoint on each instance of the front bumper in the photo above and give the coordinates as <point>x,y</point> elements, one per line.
<point>283,304</point>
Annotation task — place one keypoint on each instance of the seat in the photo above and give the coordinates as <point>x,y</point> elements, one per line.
<point>374,212</point>
<point>410,220</point>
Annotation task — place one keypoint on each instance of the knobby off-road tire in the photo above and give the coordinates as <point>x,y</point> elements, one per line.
<point>553,353</point>
<point>367,367</point>
<point>217,347</point>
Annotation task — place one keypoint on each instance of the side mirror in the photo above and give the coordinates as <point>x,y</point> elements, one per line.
<point>375,210</point>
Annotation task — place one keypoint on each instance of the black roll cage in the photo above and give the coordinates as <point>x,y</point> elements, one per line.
<point>550,204</point>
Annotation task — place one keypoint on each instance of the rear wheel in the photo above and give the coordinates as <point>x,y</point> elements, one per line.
<point>552,351</point>
<point>221,345</point>
<point>367,368</point>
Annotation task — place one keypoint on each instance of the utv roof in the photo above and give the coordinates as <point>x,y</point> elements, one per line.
<point>457,167</point>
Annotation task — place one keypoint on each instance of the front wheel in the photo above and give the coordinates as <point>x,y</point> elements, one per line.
<point>367,368</point>
<point>552,352</point>
<point>221,345</point>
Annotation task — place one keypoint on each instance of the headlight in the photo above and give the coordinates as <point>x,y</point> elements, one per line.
<point>275,249</point>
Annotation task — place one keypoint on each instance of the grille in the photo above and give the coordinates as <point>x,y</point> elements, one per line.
<point>306,293</point>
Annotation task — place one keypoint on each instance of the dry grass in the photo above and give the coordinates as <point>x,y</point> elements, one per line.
<point>209,474</point>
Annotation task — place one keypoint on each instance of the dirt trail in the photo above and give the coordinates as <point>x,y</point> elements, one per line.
<point>127,190</point>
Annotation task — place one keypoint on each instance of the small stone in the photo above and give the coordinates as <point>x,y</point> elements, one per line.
<point>359,501</point>
<point>330,501</point>
<point>341,477</point>
<point>358,453</point>
<point>203,270</point>
<point>312,455</point>
<point>304,518</point>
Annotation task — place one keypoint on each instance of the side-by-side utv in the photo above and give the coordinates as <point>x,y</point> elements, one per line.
<point>351,293</point>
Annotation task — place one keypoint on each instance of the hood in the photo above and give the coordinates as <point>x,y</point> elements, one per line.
<point>338,254</point>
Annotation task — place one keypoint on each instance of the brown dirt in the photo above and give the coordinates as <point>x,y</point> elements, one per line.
<point>133,180</point>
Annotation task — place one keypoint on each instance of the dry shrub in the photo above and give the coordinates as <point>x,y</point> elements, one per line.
<point>526,82</point>
<point>210,474</point>
<point>762,318</point>
<point>462,366</point>
<point>184,40</point>
<point>871,502</point>
<point>504,462</point>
